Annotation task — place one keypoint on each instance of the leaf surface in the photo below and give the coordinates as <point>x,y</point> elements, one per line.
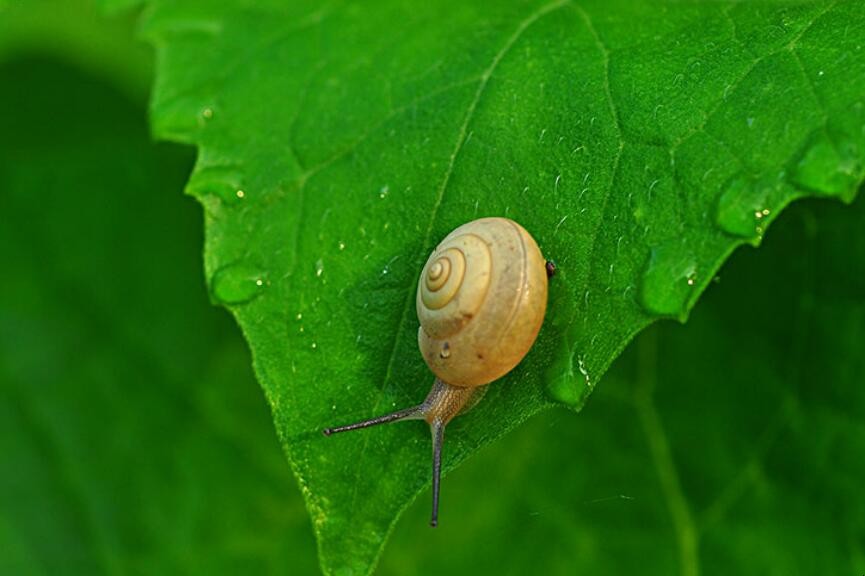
<point>639,143</point>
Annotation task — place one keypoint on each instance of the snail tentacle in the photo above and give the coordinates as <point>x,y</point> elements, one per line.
<point>441,405</point>
<point>438,437</point>
<point>413,413</point>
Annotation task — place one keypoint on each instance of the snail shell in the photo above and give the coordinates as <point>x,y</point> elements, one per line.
<point>481,300</point>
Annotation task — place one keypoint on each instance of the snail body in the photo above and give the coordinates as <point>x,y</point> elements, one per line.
<point>481,300</point>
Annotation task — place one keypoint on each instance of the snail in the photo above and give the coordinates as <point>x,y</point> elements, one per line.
<point>481,300</point>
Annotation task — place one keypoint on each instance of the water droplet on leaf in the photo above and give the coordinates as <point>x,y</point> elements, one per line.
<point>668,281</point>
<point>237,283</point>
<point>181,118</point>
<point>224,182</point>
<point>827,168</point>
<point>741,206</point>
<point>567,377</point>
<point>564,389</point>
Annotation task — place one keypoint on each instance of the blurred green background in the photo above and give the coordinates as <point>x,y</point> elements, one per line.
<point>134,439</point>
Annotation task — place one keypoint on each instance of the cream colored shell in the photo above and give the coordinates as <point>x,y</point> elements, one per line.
<point>481,301</point>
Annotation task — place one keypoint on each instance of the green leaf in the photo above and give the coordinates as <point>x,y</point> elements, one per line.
<point>639,143</point>
<point>133,438</point>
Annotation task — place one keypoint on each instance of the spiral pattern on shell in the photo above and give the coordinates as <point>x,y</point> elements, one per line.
<point>481,300</point>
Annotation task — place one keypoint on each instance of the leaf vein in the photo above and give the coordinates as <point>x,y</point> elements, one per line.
<point>614,113</point>
<point>461,138</point>
<point>747,71</point>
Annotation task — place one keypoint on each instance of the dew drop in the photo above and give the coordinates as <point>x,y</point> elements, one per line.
<point>182,117</point>
<point>566,376</point>
<point>566,383</point>
<point>826,170</point>
<point>668,280</point>
<point>564,389</point>
<point>342,245</point>
<point>223,182</point>
<point>319,268</point>
<point>237,283</point>
<point>741,206</point>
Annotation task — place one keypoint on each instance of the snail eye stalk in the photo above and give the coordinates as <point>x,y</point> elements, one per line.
<point>441,405</point>
<point>413,413</point>
<point>438,436</point>
<point>437,427</point>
